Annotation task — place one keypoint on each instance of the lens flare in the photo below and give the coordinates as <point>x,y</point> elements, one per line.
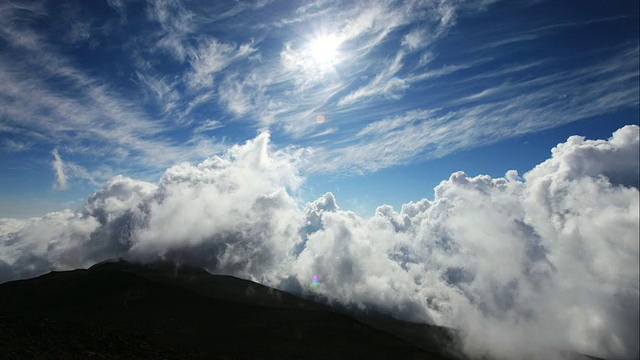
<point>396,88</point>
<point>320,118</point>
<point>330,77</point>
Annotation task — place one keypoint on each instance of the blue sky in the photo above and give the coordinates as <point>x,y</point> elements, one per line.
<point>384,99</point>
<point>223,134</point>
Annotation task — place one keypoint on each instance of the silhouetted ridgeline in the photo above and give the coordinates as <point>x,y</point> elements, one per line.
<point>125,310</point>
<point>118,309</point>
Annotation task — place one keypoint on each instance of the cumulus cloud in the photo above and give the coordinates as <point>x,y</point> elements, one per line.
<point>523,266</point>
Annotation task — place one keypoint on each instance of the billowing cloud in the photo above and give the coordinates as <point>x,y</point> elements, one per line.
<point>521,265</point>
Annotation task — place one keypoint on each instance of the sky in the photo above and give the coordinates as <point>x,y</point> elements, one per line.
<point>471,164</point>
<point>388,97</point>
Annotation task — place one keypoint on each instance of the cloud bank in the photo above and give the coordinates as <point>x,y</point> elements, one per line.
<point>522,265</point>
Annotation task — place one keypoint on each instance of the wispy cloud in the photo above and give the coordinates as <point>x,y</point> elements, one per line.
<point>234,97</point>
<point>303,90</point>
<point>378,86</point>
<point>176,23</point>
<point>118,5</point>
<point>325,132</point>
<point>392,90</point>
<point>211,58</point>
<point>58,167</point>
<point>11,145</point>
<point>507,110</point>
<point>208,125</point>
<point>90,116</point>
<point>416,39</point>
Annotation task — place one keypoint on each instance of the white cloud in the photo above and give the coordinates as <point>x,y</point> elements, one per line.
<point>55,241</point>
<point>389,142</point>
<point>506,111</point>
<point>301,88</point>
<point>232,205</point>
<point>512,262</point>
<point>118,196</point>
<point>616,159</point>
<point>11,145</point>
<point>379,85</point>
<point>117,5</point>
<point>384,126</point>
<point>232,95</point>
<point>94,115</point>
<point>212,57</point>
<point>416,39</point>
<point>160,89</point>
<point>176,23</point>
<point>8,226</point>
<point>58,166</point>
<point>522,267</point>
<point>442,71</point>
<point>325,132</point>
<point>208,125</point>
<point>254,81</point>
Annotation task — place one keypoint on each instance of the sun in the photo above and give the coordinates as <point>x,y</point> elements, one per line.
<point>324,49</point>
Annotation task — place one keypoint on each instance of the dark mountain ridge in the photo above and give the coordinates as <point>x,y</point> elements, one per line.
<point>163,310</point>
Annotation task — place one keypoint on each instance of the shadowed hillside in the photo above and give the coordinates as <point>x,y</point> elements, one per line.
<point>123,310</point>
<point>119,309</point>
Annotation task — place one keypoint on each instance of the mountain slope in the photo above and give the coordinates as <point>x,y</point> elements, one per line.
<point>180,312</point>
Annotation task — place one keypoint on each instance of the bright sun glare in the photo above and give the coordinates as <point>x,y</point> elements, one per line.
<point>324,49</point>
